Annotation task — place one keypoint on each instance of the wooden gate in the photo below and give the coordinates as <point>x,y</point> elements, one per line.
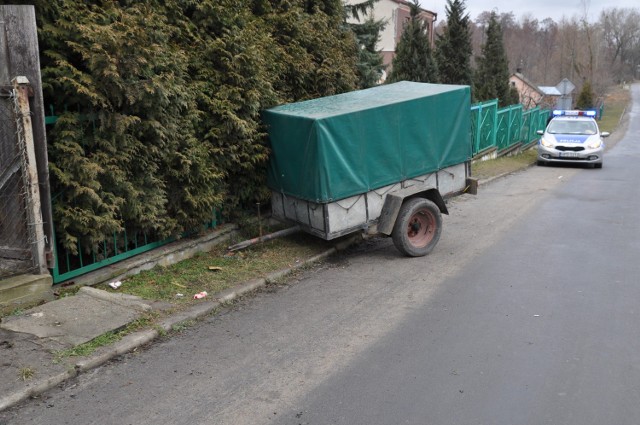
<point>25,204</point>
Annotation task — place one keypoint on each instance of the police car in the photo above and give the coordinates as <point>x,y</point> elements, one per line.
<point>572,137</point>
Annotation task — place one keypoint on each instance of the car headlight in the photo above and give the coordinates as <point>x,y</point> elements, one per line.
<point>595,144</point>
<point>546,143</point>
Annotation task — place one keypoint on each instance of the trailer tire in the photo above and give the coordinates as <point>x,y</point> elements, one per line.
<point>417,228</point>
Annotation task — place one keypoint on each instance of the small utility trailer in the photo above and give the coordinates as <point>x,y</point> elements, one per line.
<point>381,160</point>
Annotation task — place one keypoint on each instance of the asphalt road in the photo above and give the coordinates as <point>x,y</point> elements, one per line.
<point>525,313</point>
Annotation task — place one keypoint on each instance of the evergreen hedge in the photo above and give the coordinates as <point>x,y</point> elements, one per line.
<point>162,102</point>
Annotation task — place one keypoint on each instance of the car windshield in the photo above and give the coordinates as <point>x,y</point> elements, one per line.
<point>572,127</point>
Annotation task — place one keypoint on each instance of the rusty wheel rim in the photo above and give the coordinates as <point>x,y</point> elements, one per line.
<point>421,228</point>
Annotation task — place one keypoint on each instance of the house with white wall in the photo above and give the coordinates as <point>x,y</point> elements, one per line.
<point>396,13</point>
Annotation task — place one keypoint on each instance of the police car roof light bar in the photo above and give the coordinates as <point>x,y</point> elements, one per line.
<point>574,113</point>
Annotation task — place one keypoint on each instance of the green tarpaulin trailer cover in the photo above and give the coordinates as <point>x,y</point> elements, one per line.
<point>334,147</point>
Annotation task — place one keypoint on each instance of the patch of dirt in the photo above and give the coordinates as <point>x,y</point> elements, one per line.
<point>617,94</point>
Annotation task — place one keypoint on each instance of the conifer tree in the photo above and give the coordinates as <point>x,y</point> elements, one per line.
<point>234,74</point>
<point>370,62</point>
<point>585,98</point>
<point>492,74</point>
<point>125,151</point>
<point>251,58</point>
<point>514,95</point>
<point>453,47</point>
<point>414,60</point>
<point>315,52</point>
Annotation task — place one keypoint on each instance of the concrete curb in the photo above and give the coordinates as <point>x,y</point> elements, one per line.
<point>126,344</point>
<point>37,388</point>
<point>137,339</point>
<point>195,312</point>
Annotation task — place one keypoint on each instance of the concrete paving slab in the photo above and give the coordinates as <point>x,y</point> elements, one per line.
<point>75,320</point>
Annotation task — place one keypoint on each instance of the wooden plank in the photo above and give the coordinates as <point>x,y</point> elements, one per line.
<point>30,175</point>
<point>15,253</point>
<point>7,122</point>
<point>4,56</point>
<point>22,59</point>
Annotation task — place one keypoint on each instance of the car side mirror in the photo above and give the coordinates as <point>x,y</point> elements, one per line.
<point>540,132</point>
<point>605,134</point>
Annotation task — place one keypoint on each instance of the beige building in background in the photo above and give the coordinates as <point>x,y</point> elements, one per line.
<point>396,13</point>
<point>530,94</point>
<point>548,97</point>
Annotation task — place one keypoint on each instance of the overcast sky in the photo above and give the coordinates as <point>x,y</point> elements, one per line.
<point>540,9</point>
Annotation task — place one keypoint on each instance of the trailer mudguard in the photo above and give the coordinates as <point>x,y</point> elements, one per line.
<point>393,202</point>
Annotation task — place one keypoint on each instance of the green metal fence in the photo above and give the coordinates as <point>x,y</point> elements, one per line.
<point>120,246</point>
<point>504,128</point>
<point>509,125</point>
<point>532,121</point>
<point>483,125</point>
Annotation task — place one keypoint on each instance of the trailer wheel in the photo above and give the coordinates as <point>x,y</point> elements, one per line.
<point>417,228</point>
